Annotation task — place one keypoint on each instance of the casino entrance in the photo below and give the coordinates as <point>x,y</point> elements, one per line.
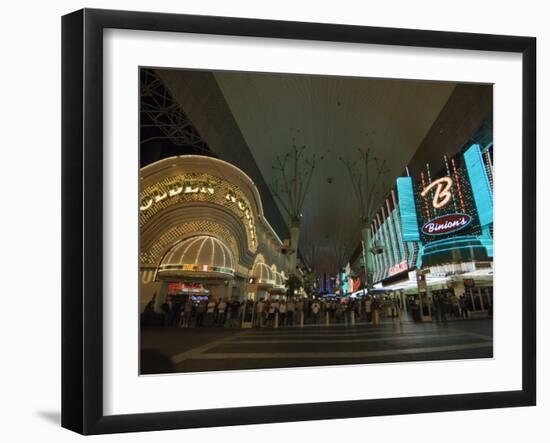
<point>194,272</point>
<point>202,232</point>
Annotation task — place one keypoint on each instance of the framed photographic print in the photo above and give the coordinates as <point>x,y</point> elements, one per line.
<point>269,221</point>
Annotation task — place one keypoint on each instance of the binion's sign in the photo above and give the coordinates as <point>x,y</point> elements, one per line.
<point>446,224</point>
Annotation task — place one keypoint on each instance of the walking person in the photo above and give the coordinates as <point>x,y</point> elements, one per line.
<point>368,309</point>
<point>300,311</point>
<point>307,308</point>
<point>260,305</point>
<point>222,306</point>
<point>290,307</point>
<point>210,308</point>
<point>357,310</point>
<point>436,308</point>
<point>330,310</point>
<point>388,307</point>
<point>362,312</point>
<point>339,313</point>
<point>167,311</point>
<point>464,307</point>
<point>234,313</point>
<point>376,306</point>
<point>176,308</point>
<point>315,308</point>
<point>398,311</point>
<point>271,314</point>
<point>282,313</point>
<point>187,311</point>
<point>443,307</point>
<point>201,311</point>
<point>455,306</point>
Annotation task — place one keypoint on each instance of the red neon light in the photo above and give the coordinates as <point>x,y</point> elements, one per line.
<point>458,185</point>
<point>425,198</point>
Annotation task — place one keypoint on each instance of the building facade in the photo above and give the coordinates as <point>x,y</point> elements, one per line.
<point>437,226</point>
<point>203,231</point>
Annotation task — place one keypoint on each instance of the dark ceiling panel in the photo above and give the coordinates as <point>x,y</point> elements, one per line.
<point>467,109</point>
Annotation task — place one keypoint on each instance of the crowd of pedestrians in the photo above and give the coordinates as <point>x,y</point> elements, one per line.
<point>207,313</point>
<point>446,305</point>
<point>269,312</point>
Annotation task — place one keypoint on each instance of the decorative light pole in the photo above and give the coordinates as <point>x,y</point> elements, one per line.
<point>310,251</point>
<point>368,179</point>
<point>342,247</point>
<point>290,188</point>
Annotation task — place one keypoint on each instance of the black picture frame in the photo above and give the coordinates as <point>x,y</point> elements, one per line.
<point>82,236</point>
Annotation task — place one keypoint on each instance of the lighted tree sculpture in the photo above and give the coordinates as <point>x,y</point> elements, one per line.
<point>341,242</point>
<point>310,250</point>
<point>369,179</point>
<point>342,248</point>
<point>290,186</point>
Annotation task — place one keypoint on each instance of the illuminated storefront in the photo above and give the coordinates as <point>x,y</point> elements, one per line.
<point>202,226</point>
<point>439,224</point>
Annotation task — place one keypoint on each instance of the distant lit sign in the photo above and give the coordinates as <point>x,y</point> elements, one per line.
<point>183,288</point>
<point>356,284</point>
<point>195,268</point>
<point>442,194</point>
<point>399,267</point>
<point>446,224</point>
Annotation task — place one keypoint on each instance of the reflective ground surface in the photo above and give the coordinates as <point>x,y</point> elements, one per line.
<point>166,350</point>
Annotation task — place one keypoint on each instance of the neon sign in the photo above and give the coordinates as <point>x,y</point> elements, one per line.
<point>178,187</point>
<point>399,267</point>
<point>446,224</point>
<point>442,194</point>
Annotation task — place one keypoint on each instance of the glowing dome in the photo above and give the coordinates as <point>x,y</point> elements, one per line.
<point>279,280</point>
<point>201,256</point>
<point>263,274</point>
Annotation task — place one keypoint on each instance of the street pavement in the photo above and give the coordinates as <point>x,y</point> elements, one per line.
<point>169,350</point>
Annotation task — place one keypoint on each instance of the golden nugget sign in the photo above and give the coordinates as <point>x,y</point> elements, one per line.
<point>230,196</point>
<point>177,188</point>
<point>442,194</point>
<point>200,189</point>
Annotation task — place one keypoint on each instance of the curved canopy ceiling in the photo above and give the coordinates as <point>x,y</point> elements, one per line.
<point>332,117</point>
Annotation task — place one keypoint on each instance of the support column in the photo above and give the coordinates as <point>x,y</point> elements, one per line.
<point>229,290</point>
<point>481,299</point>
<point>294,239</point>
